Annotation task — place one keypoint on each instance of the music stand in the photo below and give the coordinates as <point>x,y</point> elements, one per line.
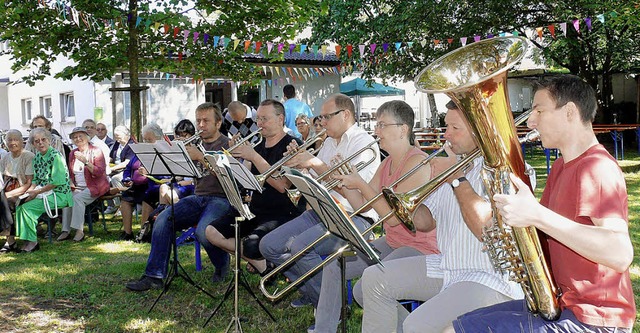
<point>225,169</point>
<point>337,222</point>
<point>164,159</point>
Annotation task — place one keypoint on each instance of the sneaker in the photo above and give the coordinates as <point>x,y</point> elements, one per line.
<point>111,210</point>
<point>300,302</point>
<point>144,283</point>
<point>311,329</point>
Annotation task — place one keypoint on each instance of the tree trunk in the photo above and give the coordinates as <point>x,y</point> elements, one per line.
<point>134,83</point>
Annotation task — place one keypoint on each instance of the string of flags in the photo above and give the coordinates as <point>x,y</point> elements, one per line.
<point>357,56</point>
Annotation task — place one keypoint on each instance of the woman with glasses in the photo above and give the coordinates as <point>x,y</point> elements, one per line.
<point>395,129</point>
<point>50,183</point>
<point>88,182</point>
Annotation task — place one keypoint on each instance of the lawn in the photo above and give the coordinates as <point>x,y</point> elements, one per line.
<point>79,287</point>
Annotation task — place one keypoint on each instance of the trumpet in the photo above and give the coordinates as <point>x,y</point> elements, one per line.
<point>247,138</point>
<point>343,168</point>
<point>279,294</point>
<point>262,178</point>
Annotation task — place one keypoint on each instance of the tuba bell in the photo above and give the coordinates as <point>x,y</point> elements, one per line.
<point>475,78</point>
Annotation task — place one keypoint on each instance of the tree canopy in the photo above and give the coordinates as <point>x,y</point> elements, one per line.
<point>609,45</point>
<point>104,37</point>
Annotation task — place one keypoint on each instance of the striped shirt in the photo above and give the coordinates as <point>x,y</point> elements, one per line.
<point>462,258</point>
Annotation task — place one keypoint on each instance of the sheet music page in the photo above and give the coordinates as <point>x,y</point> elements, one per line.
<point>163,159</point>
<point>240,172</point>
<point>331,214</point>
<point>228,182</point>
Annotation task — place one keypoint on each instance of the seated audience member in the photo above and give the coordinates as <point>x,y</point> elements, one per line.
<point>162,194</point>
<point>90,126</point>
<point>458,210</point>
<point>344,138</point>
<point>303,126</point>
<point>317,128</point>
<point>88,182</point>
<point>583,217</point>
<point>139,185</point>
<point>102,134</point>
<point>239,119</point>
<point>16,170</point>
<point>49,190</point>
<point>57,143</point>
<point>272,207</point>
<point>120,156</point>
<point>209,203</point>
<point>394,127</point>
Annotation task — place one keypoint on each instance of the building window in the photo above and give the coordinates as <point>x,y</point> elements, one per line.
<point>45,106</point>
<point>27,114</point>
<point>67,107</point>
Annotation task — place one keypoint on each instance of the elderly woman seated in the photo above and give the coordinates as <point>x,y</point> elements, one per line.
<point>16,169</point>
<point>138,185</point>
<point>49,190</point>
<point>88,181</point>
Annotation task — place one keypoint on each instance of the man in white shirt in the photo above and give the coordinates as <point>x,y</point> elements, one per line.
<point>344,138</point>
<point>459,279</point>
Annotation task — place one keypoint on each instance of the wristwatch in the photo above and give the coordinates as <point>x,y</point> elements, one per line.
<point>456,182</point>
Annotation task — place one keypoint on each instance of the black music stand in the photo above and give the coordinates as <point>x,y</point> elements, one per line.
<point>226,169</point>
<point>164,159</point>
<point>337,222</point>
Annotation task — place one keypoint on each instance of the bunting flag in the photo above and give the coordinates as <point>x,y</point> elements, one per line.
<point>539,31</point>
<point>552,30</point>
<point>601,18</point>
<point>324,50</point>
<point>450,40</point>
<point>436,42</point>
<point>339,48</point>
<point>205,39</point>
<point>349,50</point>
<point>587,21</point>
<point>373,48</point>
<point>258,46</point>
<point>195,36</point>
<point>315,50</point>
<point>280,47</point>
<point>235,43</point>
<point>398,44</point>
<point>225,42</point>
<point>476,38</point>
<point>563,27</point>
<point>303,47</point>
<point>463,41</point>
<point>269,47</point>
<point>247,43</point>
<point>385,48</point>
<point>576,25</point>
<point>361,48</point>
<point>292,47</point>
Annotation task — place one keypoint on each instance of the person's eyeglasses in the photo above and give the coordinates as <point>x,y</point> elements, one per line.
<point>329,115</point>
<point>101,129</point>
<point>301,124</point>
<point>382,125</point>
<point>38,141</point>
<point>263,119</point>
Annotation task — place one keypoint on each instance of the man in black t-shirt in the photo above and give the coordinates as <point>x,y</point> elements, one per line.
<point>209,203</point>
<point>272,207</point>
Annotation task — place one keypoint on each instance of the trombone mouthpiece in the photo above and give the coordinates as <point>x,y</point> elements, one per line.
<point>531,136</point>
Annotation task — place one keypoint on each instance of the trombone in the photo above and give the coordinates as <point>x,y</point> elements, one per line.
<point>247,138</point>
<point>279,294</point>
<point>262,178</point>
<point>342,168</point>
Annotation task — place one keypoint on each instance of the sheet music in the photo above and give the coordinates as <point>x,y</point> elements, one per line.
<point>163,159</point>
<point>332,215</point>
<point>225,176</point>
<point>239,171</point>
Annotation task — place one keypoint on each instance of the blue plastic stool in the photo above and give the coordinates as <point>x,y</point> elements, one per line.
<point>188,237</point>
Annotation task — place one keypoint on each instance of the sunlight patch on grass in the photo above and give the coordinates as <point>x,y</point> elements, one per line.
<point>149,325</point>
<point>118,247</point>
<point>50,321</point>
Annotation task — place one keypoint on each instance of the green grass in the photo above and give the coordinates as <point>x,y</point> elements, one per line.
<point>79,287</point>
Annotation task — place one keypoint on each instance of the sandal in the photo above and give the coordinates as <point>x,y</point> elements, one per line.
<point>251,269</point>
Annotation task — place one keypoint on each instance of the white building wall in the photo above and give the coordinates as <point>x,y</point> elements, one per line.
<point>312,91</point>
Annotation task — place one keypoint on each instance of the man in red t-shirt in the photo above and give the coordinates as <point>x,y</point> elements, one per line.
<point>583,215</point>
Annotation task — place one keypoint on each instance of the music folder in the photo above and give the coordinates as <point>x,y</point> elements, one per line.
<point>331,213</point>
<point>164,159</point>
<point>240,172</point>
<point>222,168</point>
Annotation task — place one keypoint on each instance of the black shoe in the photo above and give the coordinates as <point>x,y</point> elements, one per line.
<point>220,274</point>
<point>126,237</point>
<point>9,247</point>
<point>144,283</point>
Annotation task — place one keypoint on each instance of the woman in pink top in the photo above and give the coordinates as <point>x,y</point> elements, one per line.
<point>395,129</point>
<point>87,169</point>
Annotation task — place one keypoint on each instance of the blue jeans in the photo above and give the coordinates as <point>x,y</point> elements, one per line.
<point>292,237</point>
<point>513,316</point>
<point>188,211</point>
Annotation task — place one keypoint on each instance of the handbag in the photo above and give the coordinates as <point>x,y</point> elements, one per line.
<point>52,213</point>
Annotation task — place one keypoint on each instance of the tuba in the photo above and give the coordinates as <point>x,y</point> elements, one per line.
<point>475,78</point>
